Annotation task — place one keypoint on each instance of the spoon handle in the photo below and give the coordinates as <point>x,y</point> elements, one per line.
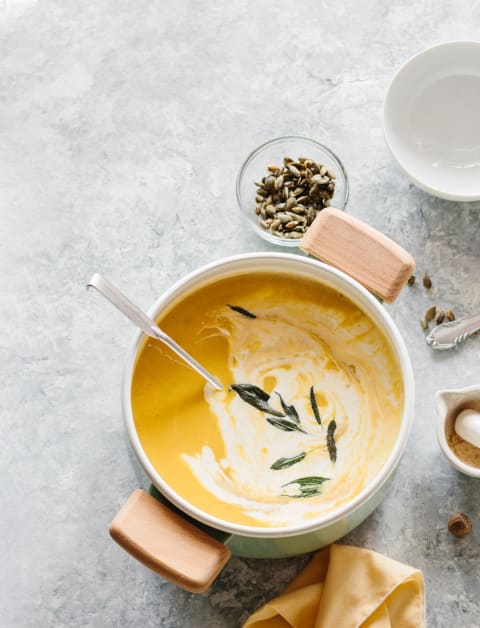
<point>146,324</point>
<point>453,334</point>
<point>186,357</point>
<point>121,302</point>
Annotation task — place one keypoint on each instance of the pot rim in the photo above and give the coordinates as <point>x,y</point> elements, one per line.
<point>397,343</point>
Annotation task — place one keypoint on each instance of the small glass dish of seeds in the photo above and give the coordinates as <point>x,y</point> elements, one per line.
<point>285,183</point>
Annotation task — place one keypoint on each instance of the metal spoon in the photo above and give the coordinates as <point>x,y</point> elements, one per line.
<point>454,333</point>
<point>146,324</point>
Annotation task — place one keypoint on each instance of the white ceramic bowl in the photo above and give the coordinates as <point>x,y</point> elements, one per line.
<point>449,405</point>
<point>304,536</point>
<point>432,120</point>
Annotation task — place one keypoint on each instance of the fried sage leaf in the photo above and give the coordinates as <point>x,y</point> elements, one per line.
<point>308,486</point>
<point>283,463</point>
<point>313,403</point>
<point>255,396</point>
<point>290,411</point>
<point>331,446</point>
<point>285,425</point>
<point>241,310</point>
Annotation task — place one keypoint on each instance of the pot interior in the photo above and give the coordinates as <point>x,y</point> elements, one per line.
<point>293,268</point>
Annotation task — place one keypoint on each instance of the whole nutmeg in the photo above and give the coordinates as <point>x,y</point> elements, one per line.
<point>459,524</point>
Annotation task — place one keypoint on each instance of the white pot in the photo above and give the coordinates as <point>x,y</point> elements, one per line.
<point>298,537</point>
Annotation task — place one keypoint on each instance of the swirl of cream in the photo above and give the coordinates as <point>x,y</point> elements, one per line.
<point>287,350</point>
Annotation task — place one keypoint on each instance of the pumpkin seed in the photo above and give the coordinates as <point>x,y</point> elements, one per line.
<point>293,170</point>
<point>291,202</point>
<point>300,209</point>
<point>317,178</point>
<point>269,182</point>
<point>289,197</point>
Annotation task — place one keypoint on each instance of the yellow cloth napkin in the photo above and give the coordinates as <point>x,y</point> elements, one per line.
<point>348,587</point>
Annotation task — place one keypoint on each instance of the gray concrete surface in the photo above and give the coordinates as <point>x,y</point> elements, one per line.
<point>122,128</point>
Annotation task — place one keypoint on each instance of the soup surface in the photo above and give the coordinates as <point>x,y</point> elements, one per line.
<point>313,423</point>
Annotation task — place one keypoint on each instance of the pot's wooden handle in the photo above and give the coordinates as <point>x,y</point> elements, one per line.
<point>167,543</point>
<point>361,251</point>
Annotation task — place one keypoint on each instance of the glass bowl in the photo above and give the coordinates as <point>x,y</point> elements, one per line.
<point>272,153</point>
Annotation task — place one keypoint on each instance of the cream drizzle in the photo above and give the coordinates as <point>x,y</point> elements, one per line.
<point>296,346</point>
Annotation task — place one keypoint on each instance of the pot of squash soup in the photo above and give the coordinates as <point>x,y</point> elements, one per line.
<point>300,445</point>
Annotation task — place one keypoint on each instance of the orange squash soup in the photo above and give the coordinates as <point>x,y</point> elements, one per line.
<point>310,412</point>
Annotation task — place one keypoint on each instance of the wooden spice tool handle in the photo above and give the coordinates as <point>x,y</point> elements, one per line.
<point>370,257</point>
<point>167,543</point>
